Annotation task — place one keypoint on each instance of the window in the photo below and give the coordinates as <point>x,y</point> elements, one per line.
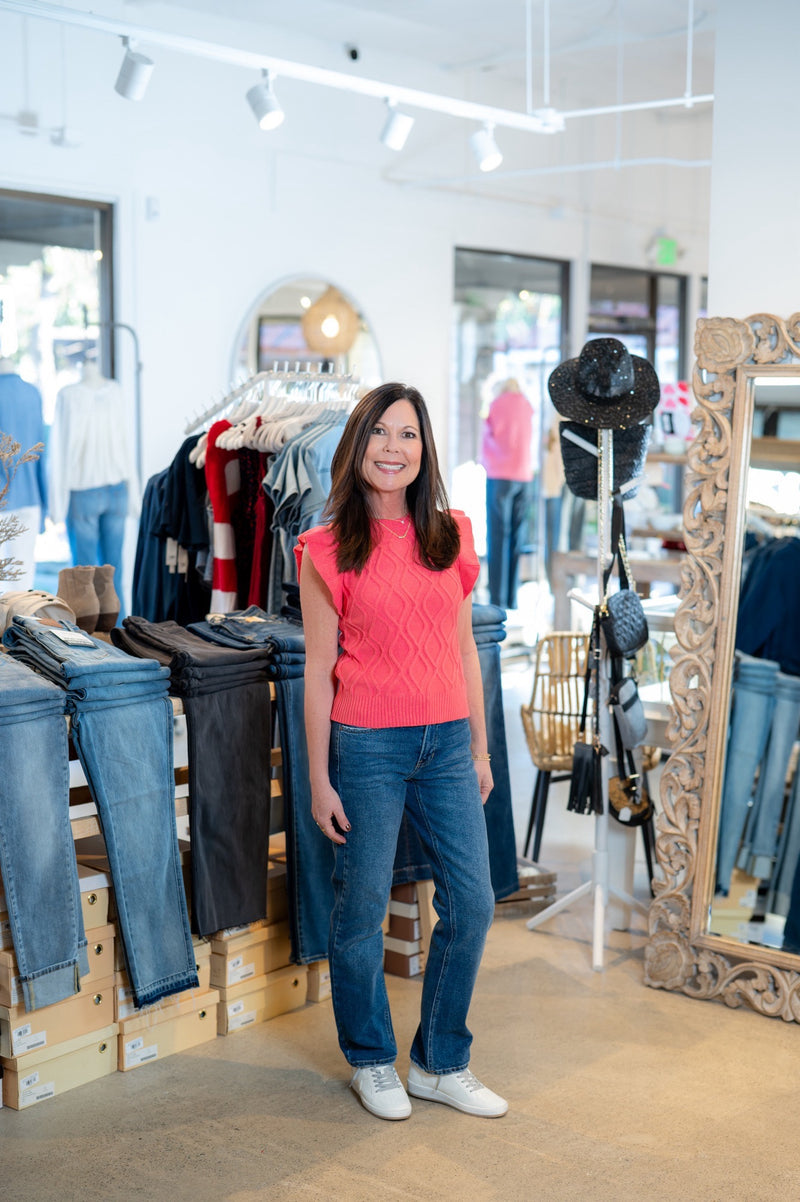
<point>645,310</point>
<point>55,308</point>
<point>508,323</point>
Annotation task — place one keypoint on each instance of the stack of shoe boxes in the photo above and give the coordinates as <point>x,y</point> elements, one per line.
<point>407,932</point>
<point>173,1024</point>
<point>251,965</point>
<point>51,1050</point>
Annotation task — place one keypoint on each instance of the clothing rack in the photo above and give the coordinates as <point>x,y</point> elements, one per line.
<point>599,886</point>
<point>285,375</point>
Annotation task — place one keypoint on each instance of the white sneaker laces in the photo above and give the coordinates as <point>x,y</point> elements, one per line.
<point>384,1077</point>
<point>469,1080</point>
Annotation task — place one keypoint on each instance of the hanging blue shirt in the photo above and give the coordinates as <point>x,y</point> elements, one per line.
<point>21,417</point>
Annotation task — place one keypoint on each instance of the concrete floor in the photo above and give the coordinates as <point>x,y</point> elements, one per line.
<point>617,1092</point>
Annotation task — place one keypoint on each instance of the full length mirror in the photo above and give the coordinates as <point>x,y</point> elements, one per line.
<point>726,918</point>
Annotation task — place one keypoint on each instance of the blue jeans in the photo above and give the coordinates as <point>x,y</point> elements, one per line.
<point>96,526</point>
<point>753,701</point>
<point>37,856</point>
<point>760,849</point>
<point>507,506</point>
<point>371,769</point>
<point>123,737</point>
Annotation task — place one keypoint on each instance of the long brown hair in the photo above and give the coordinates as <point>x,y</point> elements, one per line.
<point>438,539</point>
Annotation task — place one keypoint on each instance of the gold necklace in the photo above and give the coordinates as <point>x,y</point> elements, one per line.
<point>406,519</point>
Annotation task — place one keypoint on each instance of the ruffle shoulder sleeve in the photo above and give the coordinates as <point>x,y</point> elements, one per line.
<point>319,544</point>
<point>468,563</point>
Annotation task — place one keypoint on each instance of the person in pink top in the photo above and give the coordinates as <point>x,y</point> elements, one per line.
<point>506,453</point>
<point>395,722</point>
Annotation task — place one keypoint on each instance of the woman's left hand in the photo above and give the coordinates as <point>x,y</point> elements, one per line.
<point>484,775</point>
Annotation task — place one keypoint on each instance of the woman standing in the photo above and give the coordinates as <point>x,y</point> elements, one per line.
<point>394,722</point>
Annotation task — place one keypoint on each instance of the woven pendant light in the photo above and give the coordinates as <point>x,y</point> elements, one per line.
<point>330,325</point>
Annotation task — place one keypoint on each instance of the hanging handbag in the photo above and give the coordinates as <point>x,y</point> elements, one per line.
<point>622,617</point>
<point>628,799</point>
<point>628,711</point>
<point>586,783</point>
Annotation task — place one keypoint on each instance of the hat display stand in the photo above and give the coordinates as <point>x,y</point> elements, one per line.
<point>599,887</point>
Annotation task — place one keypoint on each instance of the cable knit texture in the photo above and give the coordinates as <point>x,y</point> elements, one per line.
<point>400,663</point>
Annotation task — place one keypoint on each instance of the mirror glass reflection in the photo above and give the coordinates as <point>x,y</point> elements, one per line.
<point>307,323</point>
<point>757,883</point>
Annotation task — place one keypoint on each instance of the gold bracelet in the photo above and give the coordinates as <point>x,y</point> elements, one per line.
<point>481,756</point>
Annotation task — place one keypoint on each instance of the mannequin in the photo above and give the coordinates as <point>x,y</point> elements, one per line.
<point>21,417</point>
<point>92,481</point>
<point>507,455</point>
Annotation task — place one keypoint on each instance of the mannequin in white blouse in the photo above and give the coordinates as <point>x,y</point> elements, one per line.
<point>92,481</point>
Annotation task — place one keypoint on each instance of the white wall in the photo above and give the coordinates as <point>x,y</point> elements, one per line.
<point>239,209</point>
<point>754,252</point>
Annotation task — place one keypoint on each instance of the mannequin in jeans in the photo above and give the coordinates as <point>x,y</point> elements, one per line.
<point>507,455</point>
<point>395,723</point>
<point>91,476</point>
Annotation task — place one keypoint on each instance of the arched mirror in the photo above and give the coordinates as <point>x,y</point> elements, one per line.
<point>726,917</point>
<point>307,323</point>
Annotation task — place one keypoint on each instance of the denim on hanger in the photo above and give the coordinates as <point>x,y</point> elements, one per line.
<point>37,855</point>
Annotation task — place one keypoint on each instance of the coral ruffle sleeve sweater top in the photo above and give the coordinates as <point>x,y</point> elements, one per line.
<point>399,661</point>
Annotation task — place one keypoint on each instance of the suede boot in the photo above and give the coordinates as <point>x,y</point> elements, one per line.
<point>107,597</point>
<point>76,586</point>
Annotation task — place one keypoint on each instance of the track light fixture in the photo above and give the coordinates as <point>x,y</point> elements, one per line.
<point>134,73</point>
<point>262,100</point>
<point>487,152</point>
<point>396,128</point>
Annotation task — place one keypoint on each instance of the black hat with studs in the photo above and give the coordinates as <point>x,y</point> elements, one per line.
<point>606,387</point>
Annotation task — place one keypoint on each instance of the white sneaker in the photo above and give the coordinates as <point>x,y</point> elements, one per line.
<point>381,1092</point>
<point>462,1090</point>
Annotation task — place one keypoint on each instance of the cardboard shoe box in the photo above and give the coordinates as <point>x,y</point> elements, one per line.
<point>100,951</point>
<point>250,955</point>
<point>319,981</point>
<point>53,1070</point>
<point>125,1006</point>
<point>94,887</point>
<point>261,998</point>
<point>24,1031</point>
<point>159,1033</point>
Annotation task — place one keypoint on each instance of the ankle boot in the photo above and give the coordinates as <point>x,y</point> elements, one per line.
<point>76,586</point>
<point>107,597</point>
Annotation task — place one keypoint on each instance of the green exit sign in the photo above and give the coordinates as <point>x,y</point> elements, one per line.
<point>666,252</point>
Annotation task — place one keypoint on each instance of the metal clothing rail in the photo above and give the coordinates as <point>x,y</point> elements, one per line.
<point>286,375</point>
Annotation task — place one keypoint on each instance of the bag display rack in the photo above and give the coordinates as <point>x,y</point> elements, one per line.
<point>599,886</point>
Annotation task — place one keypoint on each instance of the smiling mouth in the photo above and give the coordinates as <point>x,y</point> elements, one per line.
<point>389,467</point>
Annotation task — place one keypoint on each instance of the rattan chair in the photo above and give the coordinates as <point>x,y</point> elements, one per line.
<point>551,721</point>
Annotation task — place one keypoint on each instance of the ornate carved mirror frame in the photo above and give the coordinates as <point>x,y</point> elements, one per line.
<point>681,954</point>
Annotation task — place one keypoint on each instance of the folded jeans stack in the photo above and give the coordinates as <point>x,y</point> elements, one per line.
<point>121,727</point>
<point>37,856</point>
<point>228,722</point>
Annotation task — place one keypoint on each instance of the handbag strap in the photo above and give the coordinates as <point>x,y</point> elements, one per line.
<point>619,551</point>
<point>624,754</point>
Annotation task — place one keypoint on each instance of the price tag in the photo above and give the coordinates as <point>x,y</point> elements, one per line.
<point>25,1039</point>
<point>76,638</point>
<point>237,971</point>
<point>37,1094</point>
<point>137,1053</point>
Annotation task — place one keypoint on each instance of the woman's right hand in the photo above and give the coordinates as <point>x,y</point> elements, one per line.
<point>328,813</point>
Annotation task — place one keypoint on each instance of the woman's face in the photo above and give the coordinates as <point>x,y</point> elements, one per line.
<point>393,456</point>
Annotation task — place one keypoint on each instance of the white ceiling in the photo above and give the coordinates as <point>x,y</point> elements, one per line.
<point>489,36</point>
<point>601,52</point>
